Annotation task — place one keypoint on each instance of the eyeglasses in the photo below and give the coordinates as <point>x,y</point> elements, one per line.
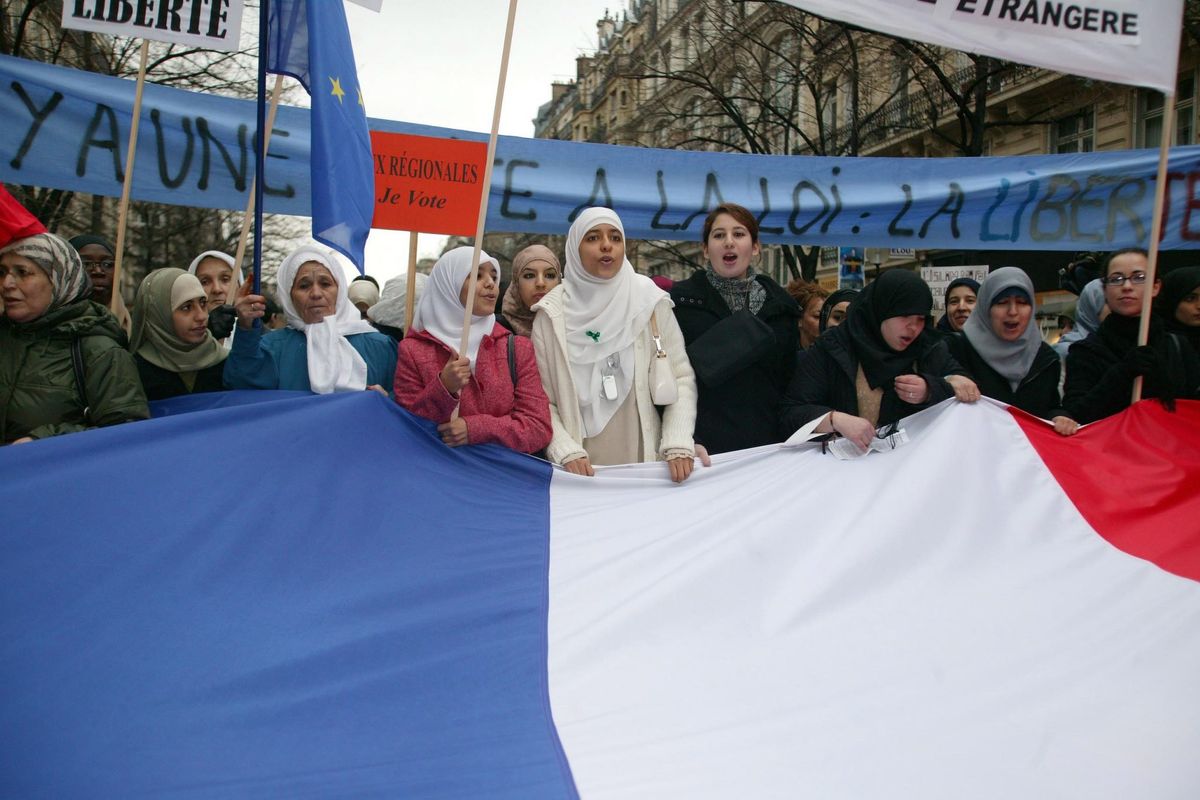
<point>1136,278</point>
<point>107,266</point>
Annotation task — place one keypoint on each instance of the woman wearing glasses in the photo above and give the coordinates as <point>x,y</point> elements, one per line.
<point>1101,368</point>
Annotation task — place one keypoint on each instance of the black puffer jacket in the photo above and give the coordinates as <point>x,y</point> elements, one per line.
<point>39,396</point>
<point>1038,390</point>
<point>739,405</point>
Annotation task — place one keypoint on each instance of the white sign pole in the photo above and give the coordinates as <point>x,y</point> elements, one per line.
<point>127,185</point>
<point>1160,191</point>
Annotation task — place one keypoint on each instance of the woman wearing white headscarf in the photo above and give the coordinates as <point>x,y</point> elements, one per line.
<point>221,281</point>
<point>174,350</point>
<point>494,384</point>
<point>326,346</point>
<point>1002,350</point>
<point>595,346</point>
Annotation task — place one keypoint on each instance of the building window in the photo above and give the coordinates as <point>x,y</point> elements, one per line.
<point>829,116</point>
<point>1150,114</point>
<point>1076,133</point>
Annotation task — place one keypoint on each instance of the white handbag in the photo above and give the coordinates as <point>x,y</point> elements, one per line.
<point>663,390</point>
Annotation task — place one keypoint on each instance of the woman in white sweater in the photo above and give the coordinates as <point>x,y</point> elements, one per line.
<point>593,335</point>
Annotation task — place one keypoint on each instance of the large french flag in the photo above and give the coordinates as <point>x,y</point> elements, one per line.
<point>272,595</point>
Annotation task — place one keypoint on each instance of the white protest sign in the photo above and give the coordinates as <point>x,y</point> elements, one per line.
<point>939,278</point>
<point>211,24</point>
<point>1124,41</point>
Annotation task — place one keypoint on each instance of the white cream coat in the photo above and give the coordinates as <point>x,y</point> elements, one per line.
<point>661,439</point>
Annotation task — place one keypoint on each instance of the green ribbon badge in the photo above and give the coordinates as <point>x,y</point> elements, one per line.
<point>594,335</point>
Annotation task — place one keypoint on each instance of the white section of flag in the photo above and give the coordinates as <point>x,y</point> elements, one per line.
<point>933,622</point>
<point>1124,41</point>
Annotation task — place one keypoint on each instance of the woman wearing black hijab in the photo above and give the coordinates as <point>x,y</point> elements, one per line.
<point>959,302</point>
<point>836,307</point>
<point>878,366</point>
<point>1179,304</point>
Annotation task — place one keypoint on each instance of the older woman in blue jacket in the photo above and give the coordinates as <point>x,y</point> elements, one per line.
<point>326,346</point>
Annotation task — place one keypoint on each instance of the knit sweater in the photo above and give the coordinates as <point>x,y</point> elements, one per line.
<point>662,439</point>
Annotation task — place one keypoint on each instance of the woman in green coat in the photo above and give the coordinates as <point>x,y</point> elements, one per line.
<point>63,362</point>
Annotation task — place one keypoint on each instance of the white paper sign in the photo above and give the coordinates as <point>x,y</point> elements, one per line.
<point>1124,41</point>
<point>939,278</point>
<point>211,24</point>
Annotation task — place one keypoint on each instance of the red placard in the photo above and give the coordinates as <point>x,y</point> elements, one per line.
<point>427,184</point>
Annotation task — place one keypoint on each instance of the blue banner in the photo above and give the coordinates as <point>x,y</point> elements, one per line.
<point>66,129</point>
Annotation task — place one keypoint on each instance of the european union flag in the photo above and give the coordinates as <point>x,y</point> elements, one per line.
<point>309,40</point>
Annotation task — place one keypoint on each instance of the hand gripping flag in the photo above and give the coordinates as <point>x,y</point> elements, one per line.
<point>310,41</point>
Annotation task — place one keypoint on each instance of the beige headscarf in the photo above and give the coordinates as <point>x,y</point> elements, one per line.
<point>519,315</point>
<point>154,337</point>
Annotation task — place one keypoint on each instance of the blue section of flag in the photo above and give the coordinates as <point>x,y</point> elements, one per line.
<point>309,40</point>
<point>301,597</point>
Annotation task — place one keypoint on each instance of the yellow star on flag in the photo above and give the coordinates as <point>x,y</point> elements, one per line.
<point>360,98</point>
<point>337,89</point>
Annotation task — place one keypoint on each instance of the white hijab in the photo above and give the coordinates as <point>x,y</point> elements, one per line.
<point>234,284</point>
<point>333,363</point>
<point>603,319</point>
<point>440,312</point>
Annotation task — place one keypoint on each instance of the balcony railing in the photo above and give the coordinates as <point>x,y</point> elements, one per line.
<point>918,111</point>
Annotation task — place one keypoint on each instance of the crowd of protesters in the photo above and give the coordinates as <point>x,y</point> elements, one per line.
<point>587,363</point>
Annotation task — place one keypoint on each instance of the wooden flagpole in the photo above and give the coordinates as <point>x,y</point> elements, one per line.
<point>248,217</point>
<point>410,285</point>
<point>127,185</point>
<point>487,175</point>
<point>1160,191</point>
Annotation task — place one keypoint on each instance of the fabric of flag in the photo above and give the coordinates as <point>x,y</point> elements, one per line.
<point>1123,41</point>
<point>15,220</point>
<point>310,41</point>
<point>282,595</point>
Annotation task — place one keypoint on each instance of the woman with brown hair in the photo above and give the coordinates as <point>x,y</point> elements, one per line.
<point>741,335</point>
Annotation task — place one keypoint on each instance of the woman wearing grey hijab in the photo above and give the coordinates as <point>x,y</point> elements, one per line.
<point>1002,350</point>
<point>1088,313</point>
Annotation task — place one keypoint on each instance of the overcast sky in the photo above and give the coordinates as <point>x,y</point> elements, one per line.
<point>437,62</point>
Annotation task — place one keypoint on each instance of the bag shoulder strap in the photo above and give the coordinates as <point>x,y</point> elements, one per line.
<point>80,376</point>
<point>512,358</point>
<point>654,334</point>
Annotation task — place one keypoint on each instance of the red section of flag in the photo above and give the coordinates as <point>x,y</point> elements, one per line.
<point>1135,477</point>
<point>15,221</point>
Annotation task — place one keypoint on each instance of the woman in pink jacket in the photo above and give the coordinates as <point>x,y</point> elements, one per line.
<point>494,384</point>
